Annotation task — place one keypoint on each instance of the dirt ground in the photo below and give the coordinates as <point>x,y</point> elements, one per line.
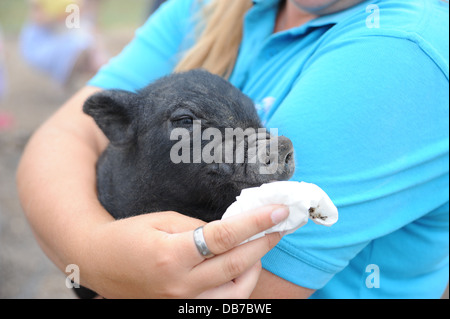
<point>25,272</point>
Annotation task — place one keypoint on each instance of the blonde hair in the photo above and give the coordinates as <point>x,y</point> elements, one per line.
<point>217,47</point>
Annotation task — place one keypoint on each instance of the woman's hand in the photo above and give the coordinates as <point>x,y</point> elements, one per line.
<point>154,256</point>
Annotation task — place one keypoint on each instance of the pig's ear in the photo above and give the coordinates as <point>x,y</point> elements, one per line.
<point>114,111</point>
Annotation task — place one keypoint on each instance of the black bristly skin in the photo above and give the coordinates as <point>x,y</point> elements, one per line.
<point>135,174</point>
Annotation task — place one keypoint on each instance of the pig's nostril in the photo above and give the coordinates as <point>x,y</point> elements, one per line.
<point>288,158</point>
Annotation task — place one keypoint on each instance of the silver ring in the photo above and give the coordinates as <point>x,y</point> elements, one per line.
<point>200,242</point>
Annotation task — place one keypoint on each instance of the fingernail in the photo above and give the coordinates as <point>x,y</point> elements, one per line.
<point>279,214</point>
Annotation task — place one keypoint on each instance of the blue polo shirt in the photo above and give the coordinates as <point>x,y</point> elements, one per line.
<point>363,95</point>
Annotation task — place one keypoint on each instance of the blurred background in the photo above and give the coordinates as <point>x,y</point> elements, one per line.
<point>46,54</point>
<point>44,59</point>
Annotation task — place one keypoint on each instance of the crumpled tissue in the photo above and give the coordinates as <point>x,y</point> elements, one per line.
<point>305,201</point>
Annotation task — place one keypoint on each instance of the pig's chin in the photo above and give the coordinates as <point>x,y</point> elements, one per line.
<point>240,185</point>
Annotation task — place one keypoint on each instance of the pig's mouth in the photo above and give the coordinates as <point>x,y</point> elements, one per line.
<point>241,184</point>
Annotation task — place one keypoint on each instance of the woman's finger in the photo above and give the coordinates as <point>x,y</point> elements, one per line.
<point>229,266</point>
<point>221,236</point>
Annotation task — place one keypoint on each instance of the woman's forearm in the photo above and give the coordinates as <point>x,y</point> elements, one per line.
<point>56,181</point>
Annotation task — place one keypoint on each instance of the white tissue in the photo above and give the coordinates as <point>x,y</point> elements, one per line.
<point>305,201</point>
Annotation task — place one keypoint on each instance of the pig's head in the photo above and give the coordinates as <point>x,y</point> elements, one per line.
<point>189,142</point>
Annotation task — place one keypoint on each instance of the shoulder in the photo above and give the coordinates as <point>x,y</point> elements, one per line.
<point>418,24</point>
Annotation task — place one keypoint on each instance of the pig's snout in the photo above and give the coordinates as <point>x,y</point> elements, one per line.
<point>278,161</point>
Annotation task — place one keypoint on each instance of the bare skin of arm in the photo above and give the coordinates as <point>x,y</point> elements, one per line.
<point>270,286</point>
<point>48,181</point>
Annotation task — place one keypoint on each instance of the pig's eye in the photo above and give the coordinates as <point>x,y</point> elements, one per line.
<point>183,121</point>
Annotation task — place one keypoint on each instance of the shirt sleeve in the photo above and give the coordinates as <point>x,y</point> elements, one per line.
<point>154,51</point>
<point>368,118</point>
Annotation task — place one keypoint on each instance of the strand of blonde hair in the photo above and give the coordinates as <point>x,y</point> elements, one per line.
<point>217,47</point>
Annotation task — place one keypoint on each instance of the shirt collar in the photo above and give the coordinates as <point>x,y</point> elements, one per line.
<point>333,18</point>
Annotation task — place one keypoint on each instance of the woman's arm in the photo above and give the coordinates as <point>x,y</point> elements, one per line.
<point>270,286</point>
<point>56,181</point>
<point>151,255</point>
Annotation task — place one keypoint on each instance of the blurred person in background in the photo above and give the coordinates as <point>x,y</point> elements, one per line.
<point>59,38</point>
